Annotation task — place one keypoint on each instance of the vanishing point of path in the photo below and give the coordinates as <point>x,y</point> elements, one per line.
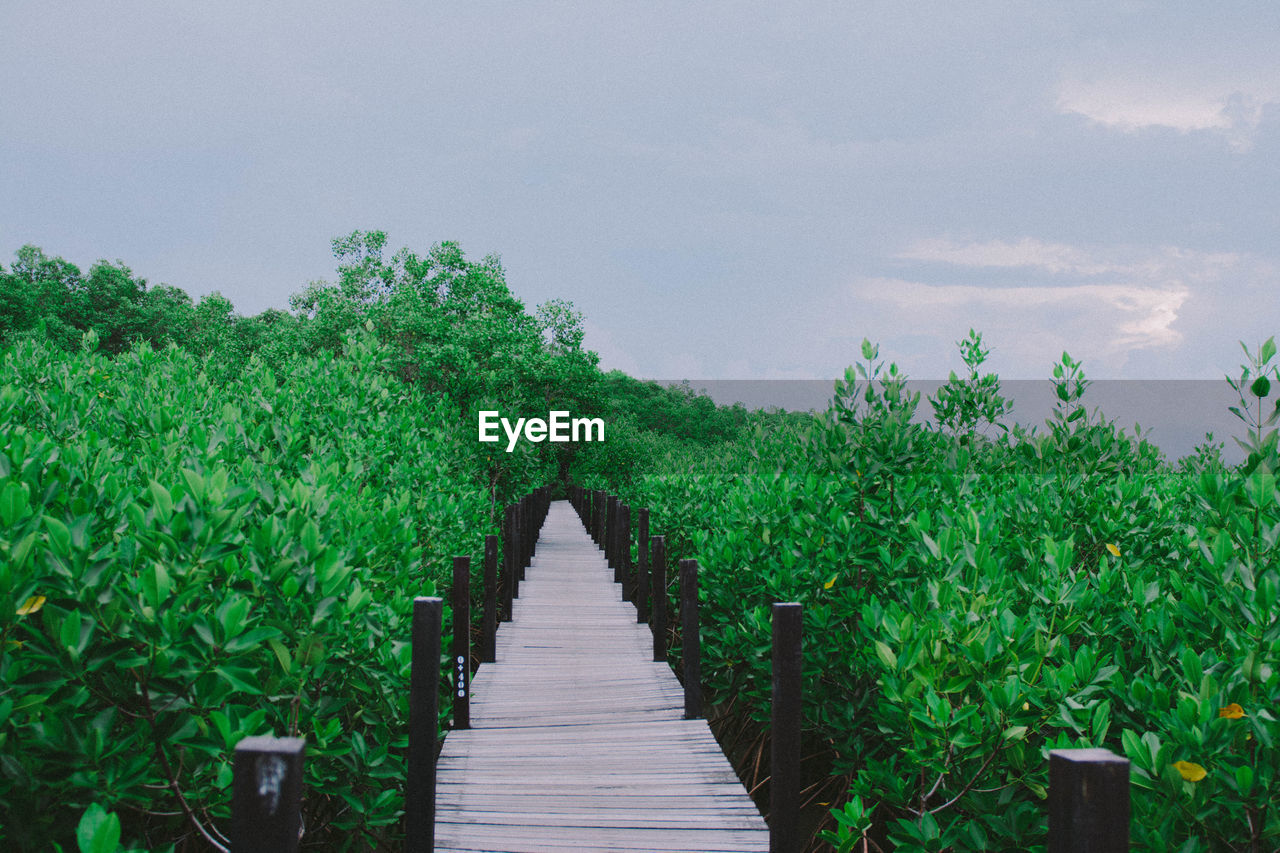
<point>578,739</point>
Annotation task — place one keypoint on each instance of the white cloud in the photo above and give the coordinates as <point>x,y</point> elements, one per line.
<point>1113,319</point>
<point>1166,263</point>
<point>1027,252</point>
<point>1231,105</point>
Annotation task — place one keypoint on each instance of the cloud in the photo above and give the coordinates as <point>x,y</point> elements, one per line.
<point>1165,263</point>
<point>1138,316</point>
<point>1143,98</point>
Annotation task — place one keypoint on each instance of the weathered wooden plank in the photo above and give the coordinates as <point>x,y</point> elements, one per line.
<point>578,740</point>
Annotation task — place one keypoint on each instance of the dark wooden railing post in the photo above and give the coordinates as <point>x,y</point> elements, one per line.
<point>624,550</point>
<point>784,778</point>
<point>642,568</point>
<point>691,639</point>
<point>607,542</point>
<point>522,526</point>
<point>424,717</point>
<point>489,631</point>
<point>611,537</point>
<point>659,621</point>
<point>508,561</point>
<point>266,795</point>
<point>530,532</point>
<point>600,505</point>
<point>1088,801</point>
<point>462,642</point>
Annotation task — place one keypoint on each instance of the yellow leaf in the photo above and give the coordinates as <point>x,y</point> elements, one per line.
<point>1189,770</point>
<point>830,583</point>
<point>1231,712</point>
<point>31,605</point>
<point>1115,552</point>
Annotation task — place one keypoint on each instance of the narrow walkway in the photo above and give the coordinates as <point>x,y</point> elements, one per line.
<point>578,740</point>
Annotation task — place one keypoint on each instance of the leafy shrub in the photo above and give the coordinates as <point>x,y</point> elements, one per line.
<point>185,563</point>
<point>971,604</point>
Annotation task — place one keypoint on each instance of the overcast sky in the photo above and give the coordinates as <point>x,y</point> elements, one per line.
<point>726,190</point>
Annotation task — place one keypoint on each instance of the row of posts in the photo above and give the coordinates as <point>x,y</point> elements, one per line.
<point>1088,788</point>
<point>267,771</point>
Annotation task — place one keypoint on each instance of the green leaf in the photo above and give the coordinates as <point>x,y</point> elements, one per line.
<point>13,503</point>
<point>282,655</point>
<point>231,615</point>
<point>251,638</point>
<point>162,500</point>
<point>98,831</point>
<point>241,678</point>
<point>311,538</point>
<point>1268,350</point>
<point>886,655</point>
<point>163,585</point>
<point>59,536</point>
<point>1261,387</point>
<point>22,550</point>
<point>69,633</point>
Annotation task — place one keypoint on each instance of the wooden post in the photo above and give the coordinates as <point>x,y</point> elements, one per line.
<point>424,717</point>
<point>489,631</point>
<point>266,794</point>
<point>513,559</point>
<point>691,639</point>
<point>600,504</point>
<point>522,525</point>
<point>607,544</point>
<point>642,568</point>
<point>659,621</point>
<point>624,549</point>
<point>462,642</point>
<point>784,779</point>
<point>530,531</point>
<point>1088,801</point>
<point>612,538</point>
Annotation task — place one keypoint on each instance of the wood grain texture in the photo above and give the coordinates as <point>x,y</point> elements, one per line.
<point>578,740</point>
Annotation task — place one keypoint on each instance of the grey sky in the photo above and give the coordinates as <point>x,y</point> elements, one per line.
<point>727,190</point>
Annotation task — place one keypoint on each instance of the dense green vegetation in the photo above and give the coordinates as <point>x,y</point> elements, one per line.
<point>972,602</point>
<point>212,526</point>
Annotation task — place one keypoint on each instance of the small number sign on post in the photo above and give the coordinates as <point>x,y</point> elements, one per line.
<point>461,642</point>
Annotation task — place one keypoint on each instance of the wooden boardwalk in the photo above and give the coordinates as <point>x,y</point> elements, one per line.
<point>578,739</point>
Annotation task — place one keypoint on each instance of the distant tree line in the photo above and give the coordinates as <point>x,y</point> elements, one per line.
<point>447,324</point>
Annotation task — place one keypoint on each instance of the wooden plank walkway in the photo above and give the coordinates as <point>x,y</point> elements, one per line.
<point>578,739</point>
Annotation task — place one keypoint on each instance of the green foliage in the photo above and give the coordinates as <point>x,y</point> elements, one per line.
<point>963,406</point>
<point>185,563</point>
<point>970,606</point>
<point>50,298</point>
<point>221,538</point>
